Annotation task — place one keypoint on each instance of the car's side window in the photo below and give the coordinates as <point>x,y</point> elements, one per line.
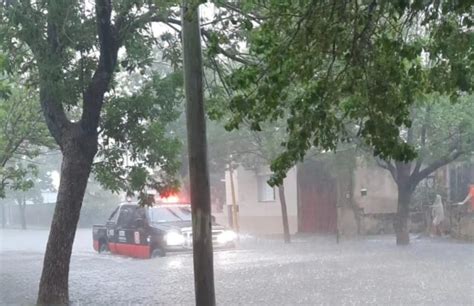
<point>139,214</point>
<point>113,216</point>
<point>125,218</point>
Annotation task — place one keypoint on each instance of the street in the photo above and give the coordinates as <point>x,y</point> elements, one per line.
<point>311,270</point>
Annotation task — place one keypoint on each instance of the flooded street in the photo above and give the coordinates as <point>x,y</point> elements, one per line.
<point>312,270</point>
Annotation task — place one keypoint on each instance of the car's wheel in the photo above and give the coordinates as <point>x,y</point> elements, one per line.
<point>158,252</point>
<point>103,247</point>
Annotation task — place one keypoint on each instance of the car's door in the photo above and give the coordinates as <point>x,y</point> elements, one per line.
<point>137,234</point>
<point>123,226</point>
<point>111,230</point>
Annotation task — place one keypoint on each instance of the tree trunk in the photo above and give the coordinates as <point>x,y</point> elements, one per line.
<point>197,154</point>
<point>78,153</point>
<point>401,219</point>
<point>22,207</point>
<point>284,214</point>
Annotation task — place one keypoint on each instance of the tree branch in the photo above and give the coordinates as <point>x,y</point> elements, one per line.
<point>387,165</point>
<point>419,161</point>
<point>124,26</point>
<point>443,161</point>
<point>224,52</point>
<point>93,96</point>
<point>50,74</point>
<point>232,8</point>
<point>107,41</point>
<point>122,16</point>
<point>154,16</point>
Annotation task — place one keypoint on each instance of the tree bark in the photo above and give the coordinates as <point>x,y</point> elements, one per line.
<point>403,211</point>
<point>284,214</point>
<point>407,180</point>
<point>78,153</point>
<point>197,154</point>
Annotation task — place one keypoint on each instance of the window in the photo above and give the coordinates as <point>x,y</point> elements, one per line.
<point>125,217</point>
<point>139,214</point>
<point>266,193</point>
<point>113,216</point>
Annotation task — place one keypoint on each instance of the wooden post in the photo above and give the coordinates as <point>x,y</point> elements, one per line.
<point>197,152</point>
<point>235,218</point>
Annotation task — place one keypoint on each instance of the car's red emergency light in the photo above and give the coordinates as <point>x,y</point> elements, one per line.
<point>170,198</point>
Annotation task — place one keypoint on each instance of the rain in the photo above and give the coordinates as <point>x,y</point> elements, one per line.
<point>236,153</point>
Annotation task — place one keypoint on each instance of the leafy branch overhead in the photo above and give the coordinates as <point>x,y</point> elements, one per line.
<point>136,141</point>
<point>328,65</point>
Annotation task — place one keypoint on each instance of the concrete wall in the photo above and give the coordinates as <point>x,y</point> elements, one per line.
<point>347,222</point>
<point>465,229</point>
<point>382,191</point>
<point>372,213</point>
<point>257,217</point>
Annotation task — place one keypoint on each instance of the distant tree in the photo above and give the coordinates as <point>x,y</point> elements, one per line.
<point>441,132</point>
<point>32,186</point>
<point>23,136</point>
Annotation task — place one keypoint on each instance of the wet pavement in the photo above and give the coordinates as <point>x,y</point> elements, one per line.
<point>310,271</point>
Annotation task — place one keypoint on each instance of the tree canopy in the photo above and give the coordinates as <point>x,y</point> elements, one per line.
<point>336,68</point>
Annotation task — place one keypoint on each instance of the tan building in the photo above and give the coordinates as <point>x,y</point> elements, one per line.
<point>259,204</point>
<point>317,199</point>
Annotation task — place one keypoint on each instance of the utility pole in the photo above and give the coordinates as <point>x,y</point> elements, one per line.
<point>197,152</point>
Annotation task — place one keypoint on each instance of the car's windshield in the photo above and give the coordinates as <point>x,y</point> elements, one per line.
<point>169,214</point>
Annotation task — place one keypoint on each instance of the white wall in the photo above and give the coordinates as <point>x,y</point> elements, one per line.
<point>261,217</point>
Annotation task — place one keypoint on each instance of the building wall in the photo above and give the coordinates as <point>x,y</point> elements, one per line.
<point>255,216</point>
<point>374,212</point>
<point>382,193</point>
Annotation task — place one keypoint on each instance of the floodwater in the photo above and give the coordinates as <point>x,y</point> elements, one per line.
<point>311,270</point>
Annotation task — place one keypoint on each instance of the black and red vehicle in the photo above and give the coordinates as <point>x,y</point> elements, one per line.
<point>145,232</point>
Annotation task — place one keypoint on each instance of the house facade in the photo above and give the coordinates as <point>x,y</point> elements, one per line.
<point>323,197</point>
<point>319,200</point>
<point>259,209</point>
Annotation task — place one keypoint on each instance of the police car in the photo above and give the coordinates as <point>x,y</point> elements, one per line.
<point>145,232</point>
